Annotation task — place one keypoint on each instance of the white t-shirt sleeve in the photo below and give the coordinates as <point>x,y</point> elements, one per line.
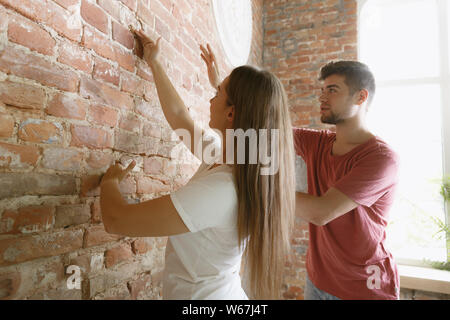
<point>207,201</point>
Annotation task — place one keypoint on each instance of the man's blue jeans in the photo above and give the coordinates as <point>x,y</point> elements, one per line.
<point>314,293</point>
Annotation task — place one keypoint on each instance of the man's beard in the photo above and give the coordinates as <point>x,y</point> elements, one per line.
<point>331,118</point>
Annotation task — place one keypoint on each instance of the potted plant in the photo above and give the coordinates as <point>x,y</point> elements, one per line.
<point>444,227</point>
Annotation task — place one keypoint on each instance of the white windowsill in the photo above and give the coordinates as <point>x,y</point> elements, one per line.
<point>424,279</point>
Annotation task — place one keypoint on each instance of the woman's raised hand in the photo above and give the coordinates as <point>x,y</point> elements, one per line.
<point>151,49</point>
<point>213,70</point>
<point>115,172</point>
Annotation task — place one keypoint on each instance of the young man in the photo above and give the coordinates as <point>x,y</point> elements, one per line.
<point>352,175</point>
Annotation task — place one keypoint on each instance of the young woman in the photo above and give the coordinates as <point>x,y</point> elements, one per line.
<point>225,211</point>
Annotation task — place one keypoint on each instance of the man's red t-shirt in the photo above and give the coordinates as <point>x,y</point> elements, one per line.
<point>347,257</point>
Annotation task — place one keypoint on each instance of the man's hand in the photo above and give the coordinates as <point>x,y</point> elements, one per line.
<point>213,70</point>
<point>115,172</point>
<point>151,49</point>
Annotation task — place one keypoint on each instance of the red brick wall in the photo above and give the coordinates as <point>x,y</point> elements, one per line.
<point>74,98</point>
<point>299,37</point>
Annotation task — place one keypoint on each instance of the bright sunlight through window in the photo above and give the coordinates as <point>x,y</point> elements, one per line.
<point>405,43</point>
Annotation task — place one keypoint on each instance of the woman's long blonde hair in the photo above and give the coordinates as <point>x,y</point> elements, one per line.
<point>266,203</point>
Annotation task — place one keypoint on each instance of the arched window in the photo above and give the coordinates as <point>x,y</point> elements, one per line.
<point>406,44</point>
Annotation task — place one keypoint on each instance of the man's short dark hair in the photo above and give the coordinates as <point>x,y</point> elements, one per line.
<point>357,75</point>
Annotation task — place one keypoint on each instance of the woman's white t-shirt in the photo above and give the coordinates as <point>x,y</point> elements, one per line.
<point>205,262</point>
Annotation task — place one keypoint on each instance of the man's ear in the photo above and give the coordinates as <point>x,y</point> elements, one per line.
<point>361,96</point>
<point>230,114</point>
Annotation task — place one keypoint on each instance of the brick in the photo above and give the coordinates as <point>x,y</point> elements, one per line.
<point>95,16</point>
<point>65,106</point>
<point>169,150</point>
<point>152,130</point>
<point>132,84</point>
<point>122,35</point>
<point>36,276</point>
<point>36,68</point>
<point>169,135</point>
<point>19,184</point>
<point>144,72</point>
<point>140,286</point>
<point>131,4</point>
<point>97,41</point>
<point>96,235</point>
<point>75,57</point>
<point>117,255</point>
<point>17,156</point>
<point>170,168</point>
<point>66,23</point>
<point>41,131</point>
<point>62,293</point>
<point>141,246</point>
<point>6,125</point>
<point>162,29</point>
<point>22,95</point>
<point>5,19</point>
<point>144,13</point>
<point>88,262</point>
<point>111,7</point>
<point>125,58</point>
<point>168,4</point>
<point>9,285</point>
<point>90,137</point>
<point>104,94</point>
<point>146,185</point>
<point>27,220</point>
<point>106,72</point>
<point>163,14</point>
<point>113,278</point>
<point>67,3</point>
<point>135,143</point>
<point>119,292</point>
<point>62,159</point>
<point>99,160</point>
<point>28,281</point>
<point>146,110</point>
<point>157,278</point>
<point>130,122</point>
<point>32,9</point>
<point>96,212</point>
<point>17,250</point>
<point>69,215</point>
<point>103,115</point>
<point>29,34</point>
<point>153,166</point>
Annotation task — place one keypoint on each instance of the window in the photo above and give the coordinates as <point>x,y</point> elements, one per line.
<point>406,45</point>
<point>234,25</point>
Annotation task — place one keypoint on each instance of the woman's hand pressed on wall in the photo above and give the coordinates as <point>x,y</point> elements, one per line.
<point>151,48</point>
<point>116,173</point>
<point>213,70</point>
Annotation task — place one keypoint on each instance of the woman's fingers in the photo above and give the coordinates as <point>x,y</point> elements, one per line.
<point>130,167</point>
<point>143,37</point>
<point>211,53</point>
<point>204,59</point>
<point>203,50</point>
<point>204,54</point>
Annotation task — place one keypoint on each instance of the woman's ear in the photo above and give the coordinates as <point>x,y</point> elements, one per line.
<point>230,115</point>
